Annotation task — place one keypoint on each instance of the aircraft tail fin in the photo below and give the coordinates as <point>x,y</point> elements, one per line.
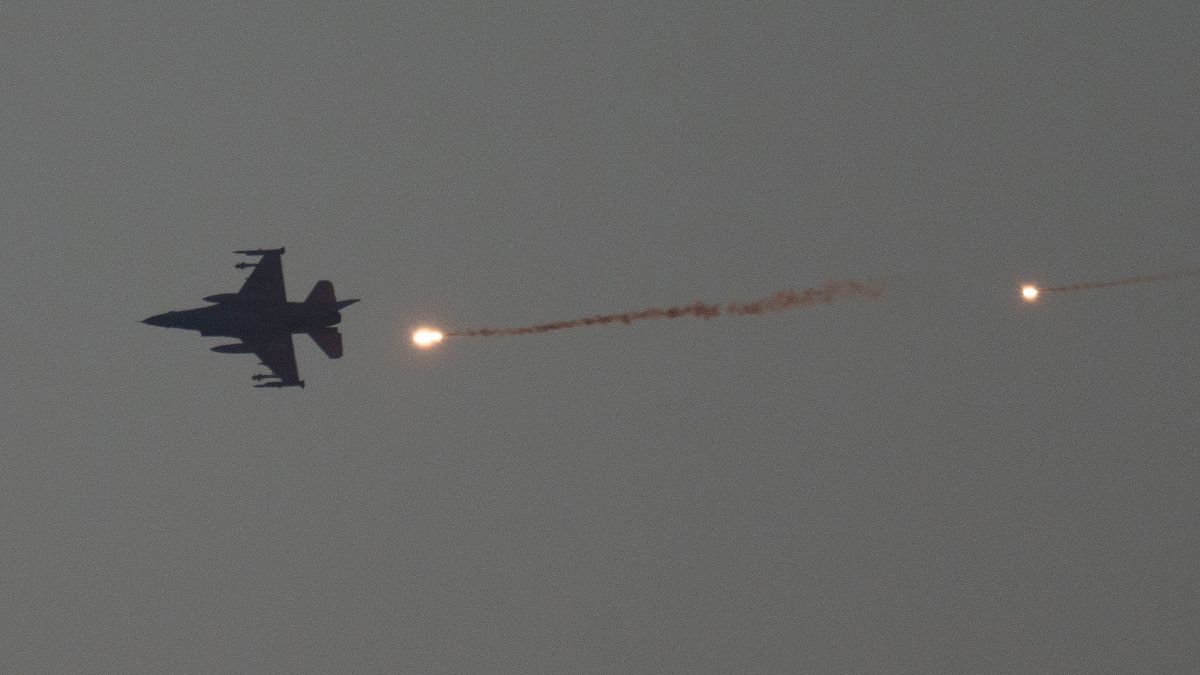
<point>328,339</point>
<point>321,294</point>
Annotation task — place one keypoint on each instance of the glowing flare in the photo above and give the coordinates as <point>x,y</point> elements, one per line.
<point>426,337</point>
<point>1030,293</point>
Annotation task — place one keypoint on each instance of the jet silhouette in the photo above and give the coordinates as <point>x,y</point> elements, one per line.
<point>262,318</point>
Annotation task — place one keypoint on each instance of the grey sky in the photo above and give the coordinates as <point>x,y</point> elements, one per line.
<point>944,480</point>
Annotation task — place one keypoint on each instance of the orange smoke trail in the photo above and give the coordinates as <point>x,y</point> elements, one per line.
<point>1092,285</point>
<point>829,292</point>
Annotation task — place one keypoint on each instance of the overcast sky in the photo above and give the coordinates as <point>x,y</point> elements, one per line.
<point>942,480</point>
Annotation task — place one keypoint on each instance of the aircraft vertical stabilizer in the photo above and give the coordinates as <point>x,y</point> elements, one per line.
<point>321,294</point>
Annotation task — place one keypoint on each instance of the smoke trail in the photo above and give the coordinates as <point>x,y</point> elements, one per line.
<point>830,291</point>
<point>1092,285</point>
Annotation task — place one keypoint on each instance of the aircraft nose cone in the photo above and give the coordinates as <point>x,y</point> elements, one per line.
<point>157,320</point>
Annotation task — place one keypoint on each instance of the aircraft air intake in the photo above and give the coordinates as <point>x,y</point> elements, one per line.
<point>235,348</point>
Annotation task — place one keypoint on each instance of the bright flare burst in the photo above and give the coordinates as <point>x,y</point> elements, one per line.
<point>1029,292</point>
<point>426,337</point>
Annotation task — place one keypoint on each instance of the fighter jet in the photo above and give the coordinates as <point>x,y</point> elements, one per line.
<point>261,317</point>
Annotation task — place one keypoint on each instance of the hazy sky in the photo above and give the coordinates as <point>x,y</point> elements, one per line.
<point>942,480</point>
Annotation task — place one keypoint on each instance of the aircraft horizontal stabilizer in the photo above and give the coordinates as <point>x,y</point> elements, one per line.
<point>329,340</point>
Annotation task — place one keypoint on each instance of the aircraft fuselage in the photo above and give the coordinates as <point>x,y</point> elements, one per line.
<point>234,318</point>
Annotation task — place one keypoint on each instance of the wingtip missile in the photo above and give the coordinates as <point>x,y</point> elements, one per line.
<point>262,376</point>
<point>279,385</point>
<point>262,251</point>
<point>244,265</point>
